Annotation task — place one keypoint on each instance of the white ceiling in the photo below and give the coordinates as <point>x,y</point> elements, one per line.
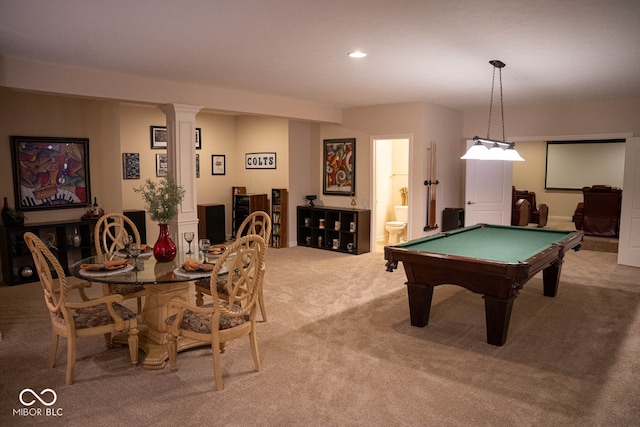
<point>419,50</point>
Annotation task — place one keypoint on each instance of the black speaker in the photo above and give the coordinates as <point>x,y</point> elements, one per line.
<point>211,223</point>
<point>452,218</point>
<point>138,218</point>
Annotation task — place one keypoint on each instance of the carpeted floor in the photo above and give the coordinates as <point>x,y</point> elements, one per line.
<point>338,350</point>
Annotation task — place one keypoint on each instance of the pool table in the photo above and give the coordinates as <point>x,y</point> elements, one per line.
<point>493,260</point>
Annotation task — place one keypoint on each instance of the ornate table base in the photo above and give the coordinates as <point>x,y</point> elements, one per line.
<point>153,339</point>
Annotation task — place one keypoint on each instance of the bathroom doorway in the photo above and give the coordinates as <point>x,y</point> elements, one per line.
<point>390,180</point>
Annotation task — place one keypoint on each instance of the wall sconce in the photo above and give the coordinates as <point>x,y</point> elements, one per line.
<point>500,150</point>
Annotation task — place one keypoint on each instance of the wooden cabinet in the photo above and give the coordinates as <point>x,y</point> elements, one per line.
<point>338,229</point>
<point>69,241</point>
<point>211,223</point>
<point>245,204</point>
<point>279,206</point>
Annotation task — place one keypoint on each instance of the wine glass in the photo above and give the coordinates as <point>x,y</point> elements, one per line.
<point>188,236</point>
<point>204,245</point>
<point>134,251</point>
<point>127,239</point>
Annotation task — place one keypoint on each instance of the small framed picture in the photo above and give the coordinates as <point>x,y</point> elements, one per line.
<point>162,165</point>
<point>198,138</point>
<point>218,164</point>
<point>131,165</point>
<point>158,137</point>
<point>197,165</point>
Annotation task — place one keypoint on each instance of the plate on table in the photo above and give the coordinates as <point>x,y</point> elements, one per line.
<point>198,274</point>
<point>105,272</point>
<point>124,254</point>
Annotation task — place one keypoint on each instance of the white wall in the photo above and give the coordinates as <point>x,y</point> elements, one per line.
<point>532,125</point>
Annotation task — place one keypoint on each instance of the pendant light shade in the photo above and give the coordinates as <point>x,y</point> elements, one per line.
<point>499,150</point>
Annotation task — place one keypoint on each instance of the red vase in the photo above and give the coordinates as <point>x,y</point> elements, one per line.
<point>164,250</point>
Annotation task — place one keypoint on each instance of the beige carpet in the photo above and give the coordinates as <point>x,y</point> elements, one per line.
<point>338,350</point>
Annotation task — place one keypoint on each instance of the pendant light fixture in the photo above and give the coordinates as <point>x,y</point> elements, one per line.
<point>500,150</point>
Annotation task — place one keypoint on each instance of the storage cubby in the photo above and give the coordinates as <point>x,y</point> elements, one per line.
<point>338,229</point>
<point>69,241</point>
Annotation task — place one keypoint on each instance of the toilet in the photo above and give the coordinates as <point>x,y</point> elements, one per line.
<point>396,228</point>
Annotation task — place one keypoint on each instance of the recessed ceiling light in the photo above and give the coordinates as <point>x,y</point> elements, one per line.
<point>357,54</point>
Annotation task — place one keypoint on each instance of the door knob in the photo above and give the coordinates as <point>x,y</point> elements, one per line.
<point>471,203</point>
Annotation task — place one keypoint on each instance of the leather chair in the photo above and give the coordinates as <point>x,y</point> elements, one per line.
<point>599,213</point>
<point>539,214</point>
<point>520,210</point>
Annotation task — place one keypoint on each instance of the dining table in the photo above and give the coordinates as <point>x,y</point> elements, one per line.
<point>163,281</point>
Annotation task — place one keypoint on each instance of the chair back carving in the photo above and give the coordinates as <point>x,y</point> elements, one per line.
<point>258,222</point>
<point>110,230</point>
<point>245,262</point>
<point>55,292</point>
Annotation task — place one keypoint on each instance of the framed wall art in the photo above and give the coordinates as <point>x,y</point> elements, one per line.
<point>130,165</point>
<point>159,137</point>
<point>339,174</point>
<point>197,165</point>
<point>162,165</point>
<point>50,173</point>
<point>198,138</point>
<point>218,164</point>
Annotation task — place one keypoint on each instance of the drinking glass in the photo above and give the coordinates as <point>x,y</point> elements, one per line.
<point>126,241</point>
<point>188,236</point>
<point>134,251</point>
<point>204,245</point>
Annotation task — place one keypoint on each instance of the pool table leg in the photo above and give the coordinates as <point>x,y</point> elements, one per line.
<point>419,303</point>
<point>551,278</point>
<point>498,314</point>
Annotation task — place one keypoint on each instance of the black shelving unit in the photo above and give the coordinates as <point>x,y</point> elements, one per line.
<point>17,261</point>
<point>337,229</point>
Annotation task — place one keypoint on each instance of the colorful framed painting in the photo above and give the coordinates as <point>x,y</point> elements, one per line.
<point>339,174</point>
<point>50,173</point>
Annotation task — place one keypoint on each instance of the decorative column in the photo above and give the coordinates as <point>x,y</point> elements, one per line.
<point>181,162</point>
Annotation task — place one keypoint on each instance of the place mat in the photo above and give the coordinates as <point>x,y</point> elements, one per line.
<point>103,273</point>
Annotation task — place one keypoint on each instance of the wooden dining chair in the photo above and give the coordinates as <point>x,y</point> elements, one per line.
<point>73,319</point>
<point>230,316</point>
<point>108,239</point>
<point>258,223</point>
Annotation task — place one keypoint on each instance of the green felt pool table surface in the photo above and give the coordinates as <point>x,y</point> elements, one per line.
<point>491,242</point>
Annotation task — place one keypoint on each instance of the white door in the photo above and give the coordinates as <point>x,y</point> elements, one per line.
<point>629,243</point>
<point>488,191</point>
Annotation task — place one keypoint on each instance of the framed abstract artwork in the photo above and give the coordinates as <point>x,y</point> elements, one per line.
<point>50,173</point>
<point>339,174</point>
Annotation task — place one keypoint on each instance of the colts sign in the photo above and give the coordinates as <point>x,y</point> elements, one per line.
<point>260,161</point>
